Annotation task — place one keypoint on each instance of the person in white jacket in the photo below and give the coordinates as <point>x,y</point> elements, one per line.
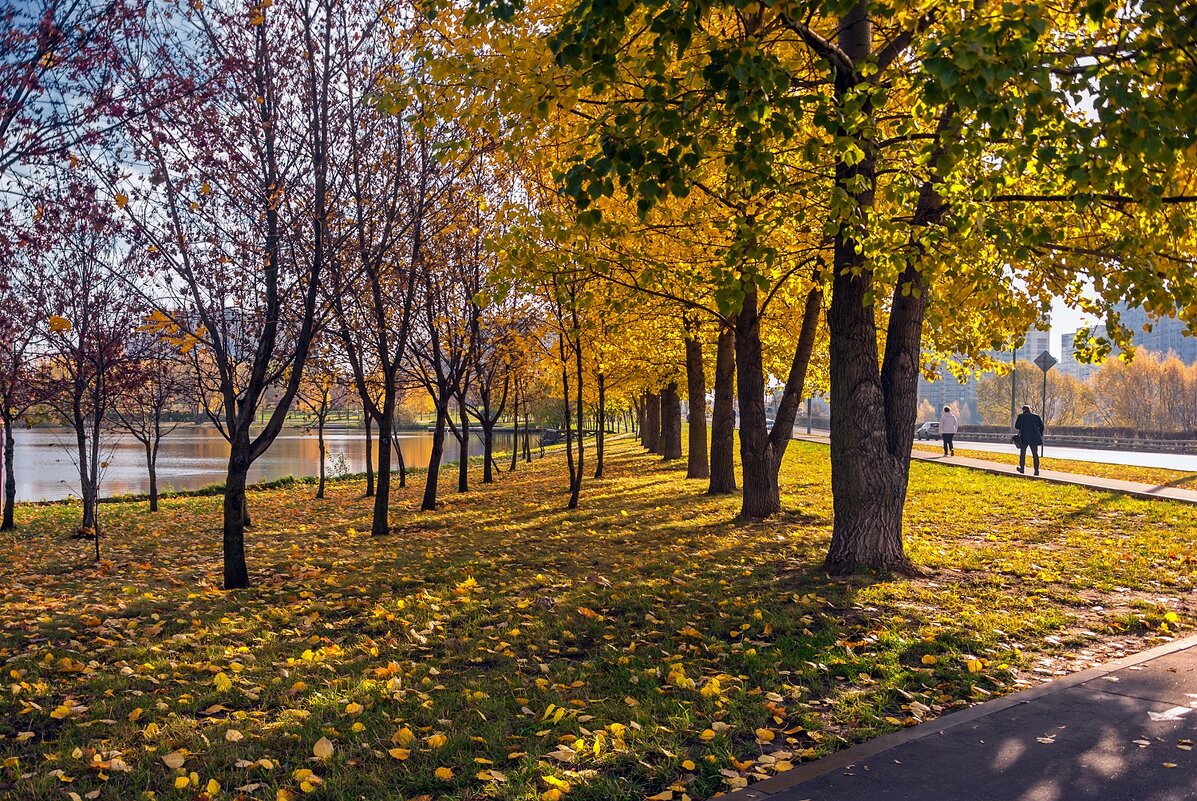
<point>948,426</point>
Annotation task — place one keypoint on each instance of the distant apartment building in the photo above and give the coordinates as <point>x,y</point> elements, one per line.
<point>1036,342</point>
<point>947,391</point>
<point>1167,334</point>
<point>1068,362</point>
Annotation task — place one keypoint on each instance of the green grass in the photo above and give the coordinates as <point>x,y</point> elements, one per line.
<point>641,643</point>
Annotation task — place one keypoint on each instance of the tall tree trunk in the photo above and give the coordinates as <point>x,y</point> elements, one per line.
<point>236,575</point>
<point>568,414</point>
<point>697,465</point>
<point>791,396</point>
<point>368,422</point>
<point>402,464</point>
<point>868,469</point>
<point>527,436</point>
<point>576,490</point>
<point>600,438</point>
<point>652,422</point>
<point>86,489</point>
<point>323,452</point>
<point>151,467</point>
<point>10,474</point>
<point>434,459</point>
<point>723,416</point>
<point>641,406</point>
<point>463,462</point>
<point>488,451</point>
<point>759,494</point>
<point>515,431</point>
<point>671,423</point>
<point>380,522</point>
<point>662,420</point>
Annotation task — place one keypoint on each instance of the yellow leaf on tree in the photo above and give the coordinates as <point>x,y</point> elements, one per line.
<point>59,325</point>
<point>122,199</point>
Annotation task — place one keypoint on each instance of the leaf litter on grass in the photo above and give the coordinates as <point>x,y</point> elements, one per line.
<point>503,647</point>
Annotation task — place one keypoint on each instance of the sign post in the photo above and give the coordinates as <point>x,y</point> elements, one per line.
<point>1044,361</point>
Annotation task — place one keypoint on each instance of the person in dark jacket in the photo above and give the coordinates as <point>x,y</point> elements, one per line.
<point>1030,434</point>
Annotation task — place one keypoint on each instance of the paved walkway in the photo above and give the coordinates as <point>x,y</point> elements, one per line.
<point>1119,732</point>
<point>1134,488</point>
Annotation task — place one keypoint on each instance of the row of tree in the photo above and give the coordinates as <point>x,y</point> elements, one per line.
<point>650,198</point>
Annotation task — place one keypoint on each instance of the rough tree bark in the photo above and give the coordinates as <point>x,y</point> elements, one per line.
<point>697,465</point>
<point>600,427</point>
<point>323,453</point>
<point>463,440</point>
<point>671,423</point>
<point>723,416</point>
<point>759,496</point>
<point>368,422</point>
<point>652,422</point>
<point>791,396</point>
<point>434,460</point>
<point>236,574</point>
<point>10,475</point>
<point>515,430</point>
<point>872,413</point>
<point>380,520</point>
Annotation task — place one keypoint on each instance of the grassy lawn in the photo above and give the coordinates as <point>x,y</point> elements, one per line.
<point>1156,476</point>
<point>644,645</point>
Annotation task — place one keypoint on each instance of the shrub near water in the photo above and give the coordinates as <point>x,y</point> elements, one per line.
<point>641,646</point>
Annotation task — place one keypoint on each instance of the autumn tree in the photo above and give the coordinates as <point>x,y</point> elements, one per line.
<point>59,78</point>
<point>20,324</point>
<point>1067,401</point>
<point>88,317</point>
<point>232,205</point>
<point>940,142</point>
<point>157,383</point>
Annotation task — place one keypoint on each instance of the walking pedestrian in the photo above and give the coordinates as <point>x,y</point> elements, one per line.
<point>948,426</point>
<point>1030,435</point>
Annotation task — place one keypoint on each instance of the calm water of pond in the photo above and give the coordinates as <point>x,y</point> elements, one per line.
<point>192,457</point>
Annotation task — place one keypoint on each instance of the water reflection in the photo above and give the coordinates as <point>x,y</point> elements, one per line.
<point>194,457</point>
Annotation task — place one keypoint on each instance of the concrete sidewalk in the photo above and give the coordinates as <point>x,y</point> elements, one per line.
<point>1119,732</point>
<point>1137,489</point>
